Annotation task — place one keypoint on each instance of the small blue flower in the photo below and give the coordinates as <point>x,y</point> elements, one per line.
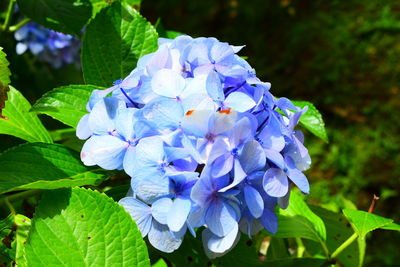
<point>52,47</point>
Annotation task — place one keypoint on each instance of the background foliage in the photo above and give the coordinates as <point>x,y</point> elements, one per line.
<point>343,56</point>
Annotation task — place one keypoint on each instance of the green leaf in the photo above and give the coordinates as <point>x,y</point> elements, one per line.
<point>391,226</point>
<point>364,222</point>
<point>23,224</point>
<point>113,42</point>
<point>43,166</point>
<point>20,122</point>
<point>66,104</point>
<point>4,80</point>
<point>7,251</point>
<point>98,5</point>
<point>299,221</point>
<point>312,120</point>
<point>13,233</point>
<point>68,16</point>
<point>338,230</point>
<point>277,249</point>
<point>4,70</point>
<point>81,227</point>
<point>160,263</point>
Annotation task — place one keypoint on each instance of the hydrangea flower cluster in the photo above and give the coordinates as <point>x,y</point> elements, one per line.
<point>204,141</point>
<point>49,46</point>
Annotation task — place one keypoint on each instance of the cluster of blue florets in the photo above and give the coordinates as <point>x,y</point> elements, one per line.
<point>55,48</point>
<point>204,141</point>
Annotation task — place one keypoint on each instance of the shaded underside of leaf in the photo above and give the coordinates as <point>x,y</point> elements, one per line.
<point>299,221</point>
<point>67,16</point>
<point>43,166</point>
<point>338,230</point>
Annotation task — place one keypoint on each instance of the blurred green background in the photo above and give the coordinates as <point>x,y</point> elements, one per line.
<point>344,56</point>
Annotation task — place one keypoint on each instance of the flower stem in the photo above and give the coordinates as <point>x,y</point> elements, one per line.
<point>344,245</point>
<point>19,24</point>
<point>300,247</point>
<point>10,11</point>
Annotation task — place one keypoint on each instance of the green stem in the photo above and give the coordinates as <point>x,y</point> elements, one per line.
<point>19,24</point>
<point>300,247</point>
<point>10,207</point>
<point>10,11</point>
<point>324,247</point>
<point>19,196</point>
<point>344,245</point>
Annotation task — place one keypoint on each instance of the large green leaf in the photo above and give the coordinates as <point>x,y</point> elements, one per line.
<point>338,230</point>
<point>80,227</point>
<point>66,104</point>
<point>312,120</point>
<point>299,221</point>
<point>68,16</point>
<point>4,79</point>
<point>113,42</point>
<point>20,122</point>
<point>364,222</point>
<point>43,166</point>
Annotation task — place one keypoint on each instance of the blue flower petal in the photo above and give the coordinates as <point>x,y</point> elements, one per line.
<point>221,218</point>
<point>239,101</point>
<point>270,221</point>
<point>160,209</point>
<point>254,201</point>
<point>161,238</point>
<point>275,182</point>
<point>181,207</point>
<point>140,213</point>
<point>107,151</point>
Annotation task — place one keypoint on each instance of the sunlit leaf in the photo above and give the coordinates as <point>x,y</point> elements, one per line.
<point>81,227</point>
<point>364,222</point>
<point>128,37</point>
<point>312,120</point>
<point>20,122</point>
<point>66,104</point>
